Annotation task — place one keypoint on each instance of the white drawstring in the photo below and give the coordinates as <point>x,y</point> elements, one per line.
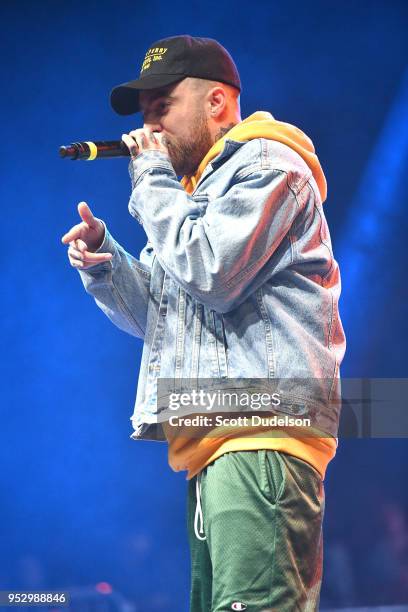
<point>198,511</point>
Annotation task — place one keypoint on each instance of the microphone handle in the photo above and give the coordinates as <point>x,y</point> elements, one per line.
<point>94,150</point>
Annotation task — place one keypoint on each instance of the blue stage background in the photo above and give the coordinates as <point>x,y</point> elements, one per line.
<point>81,503</point>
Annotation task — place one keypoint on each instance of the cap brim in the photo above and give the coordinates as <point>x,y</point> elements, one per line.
<point>124,98</point>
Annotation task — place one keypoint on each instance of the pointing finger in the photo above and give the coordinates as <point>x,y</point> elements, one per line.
<point>72,234</point>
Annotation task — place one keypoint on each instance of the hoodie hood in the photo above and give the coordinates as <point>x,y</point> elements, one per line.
<point>263,125</point>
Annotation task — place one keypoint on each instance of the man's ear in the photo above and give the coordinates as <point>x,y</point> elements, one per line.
<point>217,100</point>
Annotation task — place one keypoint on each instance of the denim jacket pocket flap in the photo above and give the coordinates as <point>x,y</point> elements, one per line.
<point>201,201</point>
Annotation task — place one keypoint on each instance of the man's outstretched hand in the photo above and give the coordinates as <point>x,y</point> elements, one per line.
<point>85,238</point>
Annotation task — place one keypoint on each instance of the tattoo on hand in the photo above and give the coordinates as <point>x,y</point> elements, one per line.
<point>224,130</point>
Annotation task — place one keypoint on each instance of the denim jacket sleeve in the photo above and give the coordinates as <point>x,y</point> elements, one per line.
<point>120,287</point>
<point>213,255</point>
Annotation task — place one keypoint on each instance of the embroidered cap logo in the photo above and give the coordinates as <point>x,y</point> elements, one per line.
<point>153,55</point>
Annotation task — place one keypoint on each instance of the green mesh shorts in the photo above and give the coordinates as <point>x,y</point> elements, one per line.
<point>255,534</point>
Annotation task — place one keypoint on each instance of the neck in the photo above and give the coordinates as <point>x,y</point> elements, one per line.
<point>223,129</point>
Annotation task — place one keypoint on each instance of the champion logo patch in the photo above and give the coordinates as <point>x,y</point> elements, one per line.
<point>238,605</point>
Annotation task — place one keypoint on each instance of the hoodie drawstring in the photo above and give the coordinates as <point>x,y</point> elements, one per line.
<point>199,511</point>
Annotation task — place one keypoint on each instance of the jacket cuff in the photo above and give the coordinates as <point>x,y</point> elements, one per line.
<point>107,245</point>
<point>147,160</point>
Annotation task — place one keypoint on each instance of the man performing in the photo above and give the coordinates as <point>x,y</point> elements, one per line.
<point>237,281</point>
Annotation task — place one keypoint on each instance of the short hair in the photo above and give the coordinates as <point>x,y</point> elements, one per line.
<point>204,85</point>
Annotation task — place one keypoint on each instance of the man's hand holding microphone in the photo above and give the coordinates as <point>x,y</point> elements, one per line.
<point>86,237</point>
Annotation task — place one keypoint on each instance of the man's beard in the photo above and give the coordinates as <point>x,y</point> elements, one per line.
<point>186,154</point>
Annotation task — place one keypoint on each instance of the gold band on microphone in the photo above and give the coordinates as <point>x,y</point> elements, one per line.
<point>93,150</point>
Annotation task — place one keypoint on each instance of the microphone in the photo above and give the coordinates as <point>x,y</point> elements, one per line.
<point>93,150</point>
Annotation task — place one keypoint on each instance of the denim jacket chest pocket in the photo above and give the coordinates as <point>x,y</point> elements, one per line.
<point>201,201</point>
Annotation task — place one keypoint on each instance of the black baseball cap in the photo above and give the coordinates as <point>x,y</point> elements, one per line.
<point>172,59</point>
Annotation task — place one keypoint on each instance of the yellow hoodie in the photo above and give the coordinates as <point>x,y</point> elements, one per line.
<point>193,452</point>
<point>262,125</point>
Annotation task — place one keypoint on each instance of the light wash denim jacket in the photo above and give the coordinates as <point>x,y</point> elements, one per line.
<point>237,280</point>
